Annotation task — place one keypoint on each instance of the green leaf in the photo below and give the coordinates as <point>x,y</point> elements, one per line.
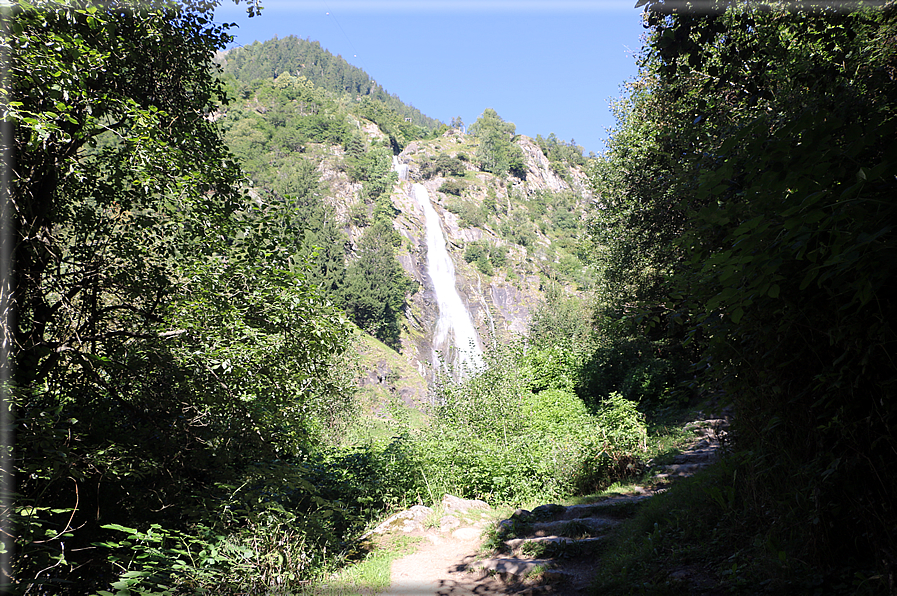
<point>120,528</point>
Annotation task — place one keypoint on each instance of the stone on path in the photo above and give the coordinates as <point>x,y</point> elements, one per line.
<point>453,504</point>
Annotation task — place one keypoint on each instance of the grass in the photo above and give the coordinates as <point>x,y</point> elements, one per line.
<point>369,576</point>
<point>673,530</point>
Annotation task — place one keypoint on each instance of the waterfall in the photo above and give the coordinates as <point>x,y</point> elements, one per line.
<point>400,168</point>
<point>454,328</point>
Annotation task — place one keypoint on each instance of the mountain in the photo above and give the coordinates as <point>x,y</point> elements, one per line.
<point>306,58</point>
<point>511,207</point>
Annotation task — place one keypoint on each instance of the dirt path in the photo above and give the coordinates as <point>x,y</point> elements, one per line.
<point>441,567</point>
<point>450,562</point>
<point>443,563</point>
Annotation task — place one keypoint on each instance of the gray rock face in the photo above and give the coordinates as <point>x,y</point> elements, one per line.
<point>501,306</point>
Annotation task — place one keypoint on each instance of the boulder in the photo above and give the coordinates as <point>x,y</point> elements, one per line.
<point>455,505</point>
<point>408,521</point>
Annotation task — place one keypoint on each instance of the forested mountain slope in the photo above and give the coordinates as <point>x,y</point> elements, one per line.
<point>511,207</point>
<point>306,58</point>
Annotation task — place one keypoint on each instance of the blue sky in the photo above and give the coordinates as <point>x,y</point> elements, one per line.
<point>546,66</point>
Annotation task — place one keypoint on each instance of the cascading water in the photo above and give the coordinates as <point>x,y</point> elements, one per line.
<point>454,328</point>
<point>401,169</point>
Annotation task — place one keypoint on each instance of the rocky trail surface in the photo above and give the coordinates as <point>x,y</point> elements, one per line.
<point>549,550</point>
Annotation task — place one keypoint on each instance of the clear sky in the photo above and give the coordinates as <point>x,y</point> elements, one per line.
<point>546,66</point>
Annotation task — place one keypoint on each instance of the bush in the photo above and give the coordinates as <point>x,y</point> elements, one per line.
<point>519,230</point>
<point>484,265</point>
<point>651,381</point>
<point>475,250</point>
<point>494,439</point>
<point>452,187</point>
<point>358,215</point>
<point>498,255</point>
<point>479,253</point>
<point>558,412</point>
<point>469,213</point>
<point>552,367</point>
<point>622,425</point>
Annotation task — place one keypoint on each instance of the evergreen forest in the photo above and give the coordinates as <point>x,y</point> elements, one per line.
<point>201,248</point>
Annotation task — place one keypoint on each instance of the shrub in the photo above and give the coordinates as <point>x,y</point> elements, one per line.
<point>469,213</point>
<point>358,215</point>
<point>552,367</point>
<point>452,187</point>
<point>484,265</point>
<point>558,412</point>
<point>498,255</point>
<point>621,425</point>
<point>494,439</point>
<point>651,381</point>
<point>475,250</point>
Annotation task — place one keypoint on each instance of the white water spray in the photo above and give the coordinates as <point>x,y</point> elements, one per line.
<point>454,328</point>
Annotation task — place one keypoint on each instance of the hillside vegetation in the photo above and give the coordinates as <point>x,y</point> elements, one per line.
<point>513,231</point>
<point>221,310</point>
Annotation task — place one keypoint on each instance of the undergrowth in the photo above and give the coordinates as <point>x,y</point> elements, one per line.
<point>703,536</point>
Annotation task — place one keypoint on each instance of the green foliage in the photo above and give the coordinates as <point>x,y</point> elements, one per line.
<point>558,412</point>
<point>517,229</point>
<point>376,285</point>
<point>561,321</point>
<point>486,256</point>
<point>452,187</point>
<point>650,381</point>
<point>302,57</point>
<point>496,153</point>
<point>475,251</point>
<point>359,216</point>
<point>374,169</point>
<point>173,349</point>
<point>553,367</point>
<point>745,215</point>
<point>443,165</point>
<point>558,151</point>
<point>516,162</point>
<point>278,117</point>
<point>498,255</point>
<point>372,288</point>
<point>470,213</point>
<point>621,425</point>
<point>493,438</point>
<point>306,507</point>
<point>267,555</point>
<point>391,121</point>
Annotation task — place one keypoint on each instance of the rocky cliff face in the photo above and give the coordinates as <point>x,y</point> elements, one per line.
<point>501,304</point>
<point>502,299</point>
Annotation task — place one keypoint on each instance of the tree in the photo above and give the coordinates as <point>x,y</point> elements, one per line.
<point>376,285</point>
<point>752,177</point>
<point>495,150</point>
<point>166,338</point>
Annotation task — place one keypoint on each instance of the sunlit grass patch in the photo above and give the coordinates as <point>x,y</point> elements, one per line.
<point>368,576</point>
